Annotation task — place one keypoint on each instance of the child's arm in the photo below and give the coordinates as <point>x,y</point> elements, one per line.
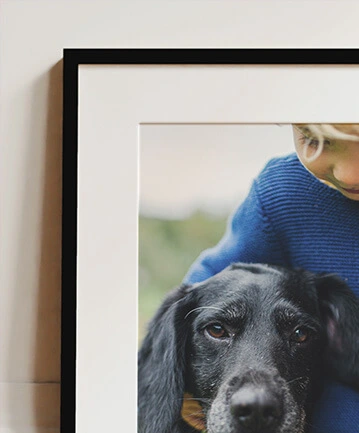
<point>249,238</point>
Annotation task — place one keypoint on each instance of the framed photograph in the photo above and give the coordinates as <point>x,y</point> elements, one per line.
<point>159,147</point>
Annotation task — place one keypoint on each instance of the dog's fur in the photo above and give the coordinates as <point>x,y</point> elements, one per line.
<point>258,377</point>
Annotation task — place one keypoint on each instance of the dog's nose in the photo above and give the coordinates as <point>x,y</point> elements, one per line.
<point>256,409</point>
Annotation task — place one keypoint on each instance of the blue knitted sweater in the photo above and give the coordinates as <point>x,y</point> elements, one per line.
<point>292,219</point>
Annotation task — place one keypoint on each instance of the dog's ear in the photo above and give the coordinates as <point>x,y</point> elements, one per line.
<point>162,366</point>
<point>340,311</point>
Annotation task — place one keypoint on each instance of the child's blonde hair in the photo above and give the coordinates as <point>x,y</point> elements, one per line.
<point>322,132</point>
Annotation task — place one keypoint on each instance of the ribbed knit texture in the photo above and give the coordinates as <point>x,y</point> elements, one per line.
<point>292,219</point>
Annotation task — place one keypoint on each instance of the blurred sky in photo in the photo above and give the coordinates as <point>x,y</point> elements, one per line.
<point>185,168</point>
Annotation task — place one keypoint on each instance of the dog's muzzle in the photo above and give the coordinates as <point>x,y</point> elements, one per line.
<point>257,402</point>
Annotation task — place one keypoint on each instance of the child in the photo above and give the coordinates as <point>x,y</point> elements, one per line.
<point>302,211</point>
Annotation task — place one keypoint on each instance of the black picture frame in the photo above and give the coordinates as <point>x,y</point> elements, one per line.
<point>72,59</point>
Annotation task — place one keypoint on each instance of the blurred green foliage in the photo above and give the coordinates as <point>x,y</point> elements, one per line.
<point>167,248</point>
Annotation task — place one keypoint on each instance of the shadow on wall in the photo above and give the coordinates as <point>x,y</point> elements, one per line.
<point>48,330</point>
<point>34,350</point>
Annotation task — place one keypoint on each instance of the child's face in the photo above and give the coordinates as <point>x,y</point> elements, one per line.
<point>338,163</point>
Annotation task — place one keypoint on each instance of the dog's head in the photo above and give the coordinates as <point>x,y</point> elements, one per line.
<point>247,344</point>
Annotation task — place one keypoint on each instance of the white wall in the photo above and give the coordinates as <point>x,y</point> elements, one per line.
<point>33,35</point>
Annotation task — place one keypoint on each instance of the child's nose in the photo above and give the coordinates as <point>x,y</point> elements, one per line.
<point>347,172</point>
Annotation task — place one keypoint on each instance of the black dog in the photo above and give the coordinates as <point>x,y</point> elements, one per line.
<point>248,343</point>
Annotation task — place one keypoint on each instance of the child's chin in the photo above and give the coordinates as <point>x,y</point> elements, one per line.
<point>352,196</point>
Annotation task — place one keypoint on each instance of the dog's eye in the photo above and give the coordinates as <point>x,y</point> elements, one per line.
<point>300,335</point>
<point>215,330</point>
